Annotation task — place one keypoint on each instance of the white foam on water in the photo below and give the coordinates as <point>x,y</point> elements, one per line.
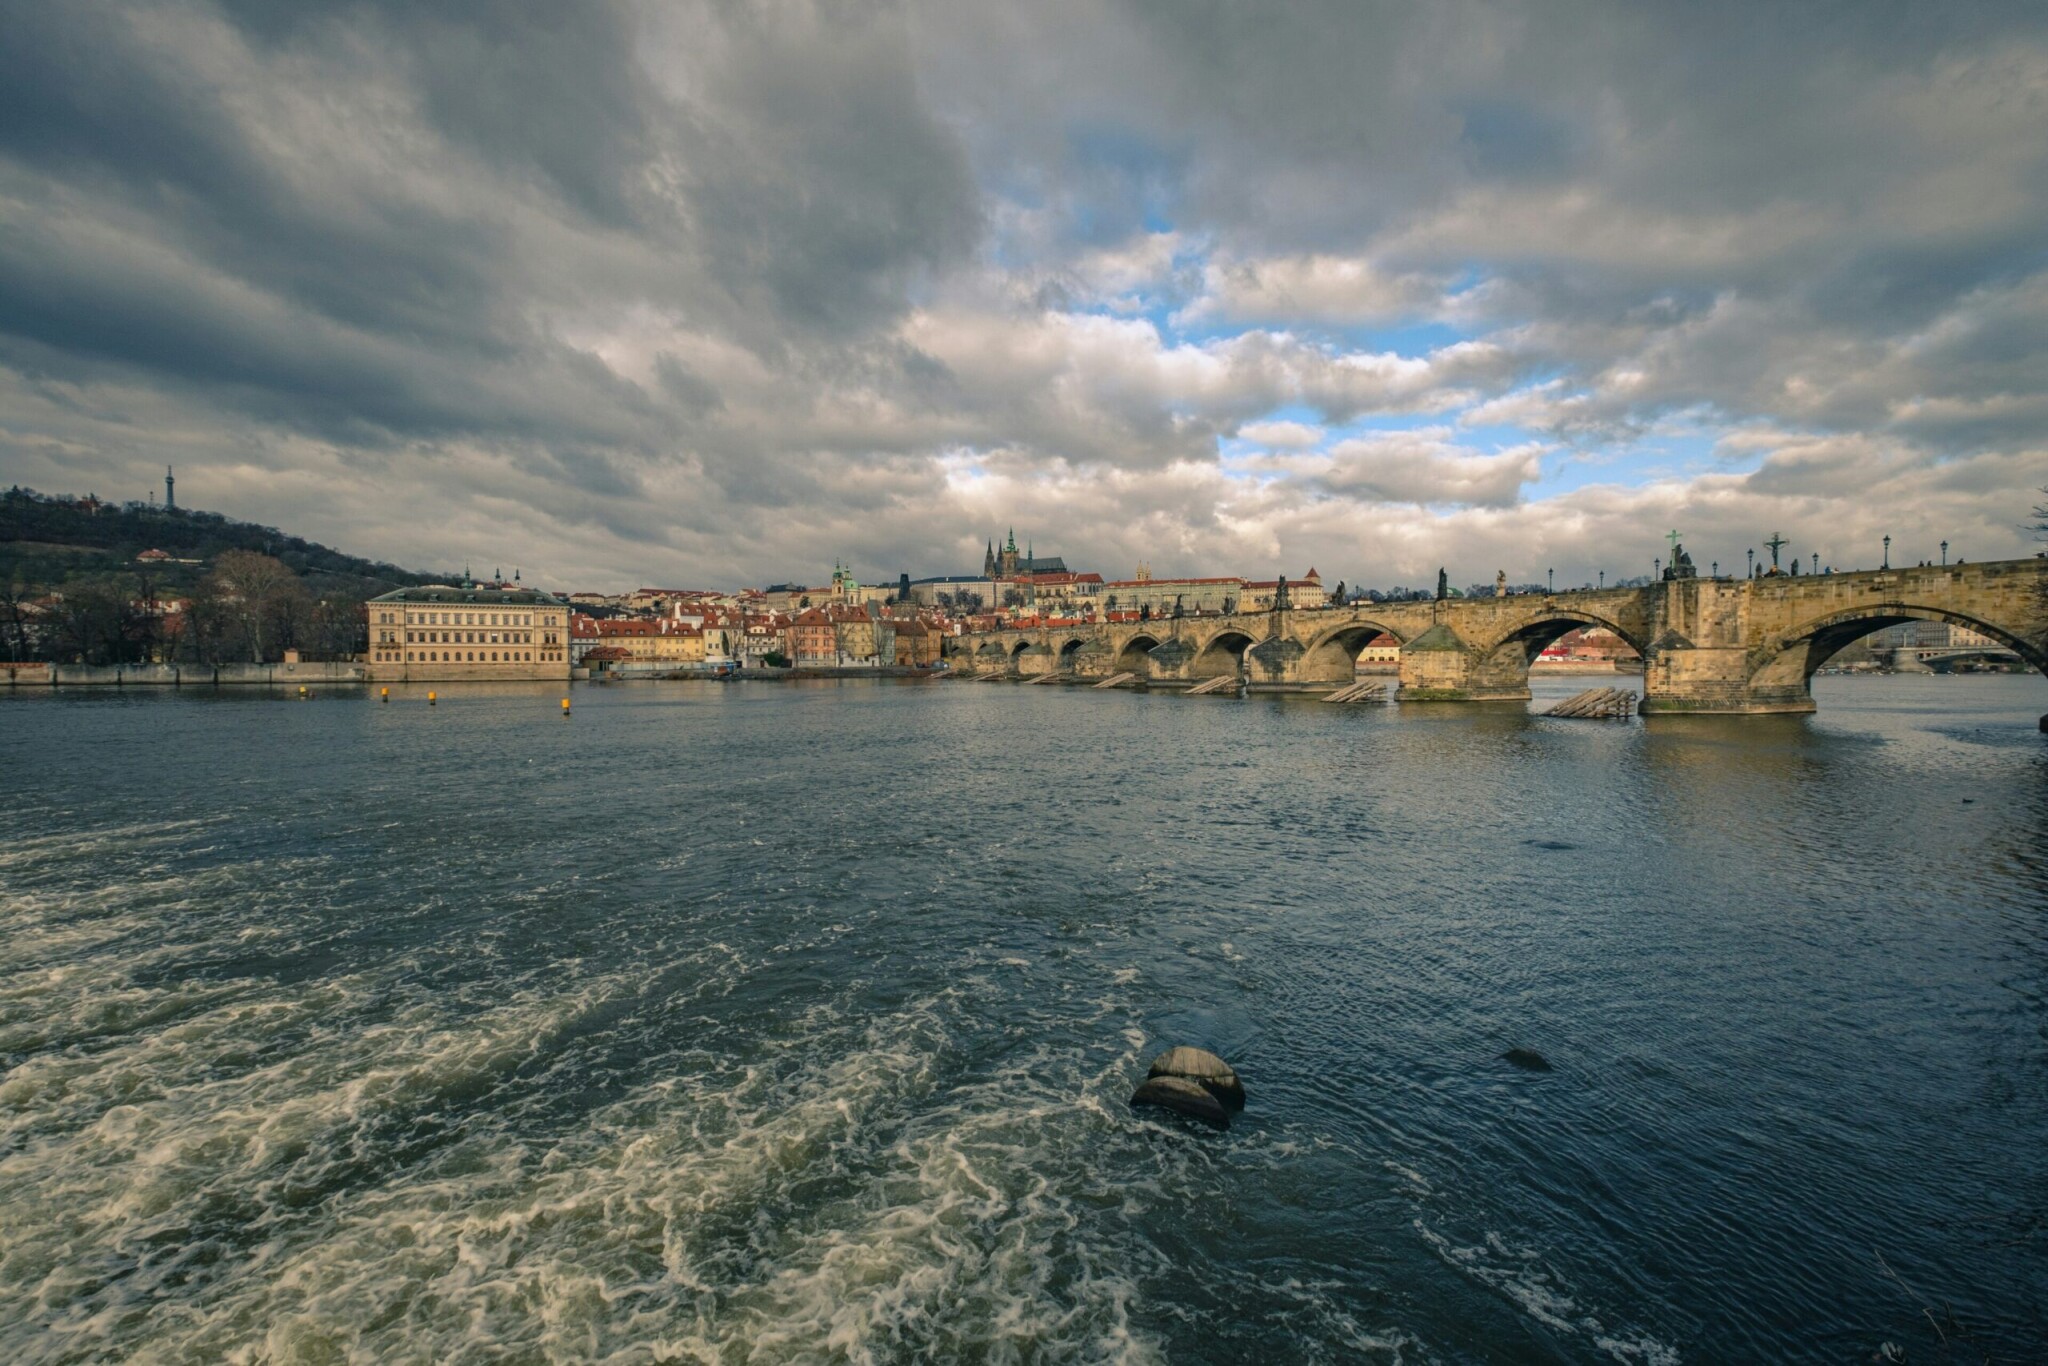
<point>826,1200</point>
<point>234,1169</point>
<point>69,846</point>
<point>1643,1349</point>
<point>1410,1175</point>
<point>128,1155</point>
<point>1520,1276</point>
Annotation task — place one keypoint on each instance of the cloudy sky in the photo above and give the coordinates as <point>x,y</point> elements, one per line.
<point>699,294</point>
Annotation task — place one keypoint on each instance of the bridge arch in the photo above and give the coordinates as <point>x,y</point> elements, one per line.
<point>1223,655</point>
<point>1135,656</point>
<point>1070,653</point>
<point>1332,657</point>
<point>1783,669</point>
<point>1501,667</point>
<point>1533,637</point>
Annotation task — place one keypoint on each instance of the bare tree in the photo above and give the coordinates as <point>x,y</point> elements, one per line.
<point>98,621</point>
<point>338,629</point>
<point>14,615</point>
<point>210,621</point>
<point>251,590</point>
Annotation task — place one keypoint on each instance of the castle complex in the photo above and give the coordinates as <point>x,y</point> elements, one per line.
<point>1008,563</point>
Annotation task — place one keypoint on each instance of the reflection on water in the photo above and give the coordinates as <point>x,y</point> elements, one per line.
<point>762,1023</point>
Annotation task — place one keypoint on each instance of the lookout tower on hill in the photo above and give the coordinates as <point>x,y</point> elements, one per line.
<point>170,491</point>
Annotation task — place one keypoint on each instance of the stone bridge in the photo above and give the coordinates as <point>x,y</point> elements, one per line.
<point>1708,645</point>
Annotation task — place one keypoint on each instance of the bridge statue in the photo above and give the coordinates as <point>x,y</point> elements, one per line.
<point>1745,646</point>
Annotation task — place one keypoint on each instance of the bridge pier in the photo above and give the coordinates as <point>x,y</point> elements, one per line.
<point>1438,666</point>
<point>1034,660</point>
<point>1716,681</point>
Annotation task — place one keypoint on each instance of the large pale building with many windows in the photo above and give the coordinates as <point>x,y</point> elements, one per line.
<point>440,634</point>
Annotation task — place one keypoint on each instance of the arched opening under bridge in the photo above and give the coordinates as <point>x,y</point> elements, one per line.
<point>1222,657</point>
<point>1335,657</point>
<point>1070,654</point>
<point>1135,657</point>
<point>1587,643</point>
<point>1785,677</point>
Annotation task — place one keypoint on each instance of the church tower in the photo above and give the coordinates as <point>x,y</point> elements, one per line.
<point>988,562</point>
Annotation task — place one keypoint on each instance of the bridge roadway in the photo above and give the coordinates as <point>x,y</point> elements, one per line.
<point>1708,645</point>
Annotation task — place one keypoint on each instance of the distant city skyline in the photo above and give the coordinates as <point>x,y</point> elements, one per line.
<point>707,294</point>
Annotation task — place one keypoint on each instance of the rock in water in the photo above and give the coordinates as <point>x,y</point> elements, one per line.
<point>1183,1097</point>
<point>1203,1068</point>
<point>1527,1059</point>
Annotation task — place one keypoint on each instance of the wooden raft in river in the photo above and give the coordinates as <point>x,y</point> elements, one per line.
<point>1599,703</point>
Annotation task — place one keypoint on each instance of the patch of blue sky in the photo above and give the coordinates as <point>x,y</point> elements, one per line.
<point>1411,340</point>
<point>1644,460</point>
<point>1136,182</point>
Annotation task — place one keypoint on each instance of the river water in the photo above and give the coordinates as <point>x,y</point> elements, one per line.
<point>759,1023</point>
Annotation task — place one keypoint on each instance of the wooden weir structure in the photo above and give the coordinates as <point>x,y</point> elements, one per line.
<point>1597,703</point>
<point>1115,680</point>
<point>1213,685</point>
<point>1359,692</point>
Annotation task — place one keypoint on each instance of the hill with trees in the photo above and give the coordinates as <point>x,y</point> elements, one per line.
<point>47,541</point>
<point>104,583</point>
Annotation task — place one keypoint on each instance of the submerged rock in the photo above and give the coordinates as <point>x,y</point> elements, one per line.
<point>1528,1059</point>
<point>1203,1068</point>
<point>1183,1097</point>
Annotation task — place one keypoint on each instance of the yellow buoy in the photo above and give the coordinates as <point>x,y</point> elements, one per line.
<point>565,706</point>
<point>430,698</point>
<point>384,694</point>
<point>302,690</point>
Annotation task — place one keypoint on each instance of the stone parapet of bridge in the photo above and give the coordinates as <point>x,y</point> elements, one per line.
<point>1708,645</point>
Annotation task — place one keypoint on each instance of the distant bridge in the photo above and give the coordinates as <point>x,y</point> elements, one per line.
<point>1708,645</point>
<point>1942,658</point>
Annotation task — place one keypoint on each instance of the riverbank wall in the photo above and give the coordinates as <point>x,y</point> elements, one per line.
<point>181,675</point>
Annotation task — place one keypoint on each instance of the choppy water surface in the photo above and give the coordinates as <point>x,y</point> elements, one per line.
<point>767,1023</point>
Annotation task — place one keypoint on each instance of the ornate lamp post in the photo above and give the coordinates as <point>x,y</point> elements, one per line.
<point>1887,552</point>
<point>1550,580</point>
<point>1603,578</point>
<point>1944,554</point>
<point>1656,567</point>
<point>1816,562</point>
<point>1751,552</point>
<point>1716,570</point>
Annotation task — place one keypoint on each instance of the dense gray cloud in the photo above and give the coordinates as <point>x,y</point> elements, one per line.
<point>710,293</point>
